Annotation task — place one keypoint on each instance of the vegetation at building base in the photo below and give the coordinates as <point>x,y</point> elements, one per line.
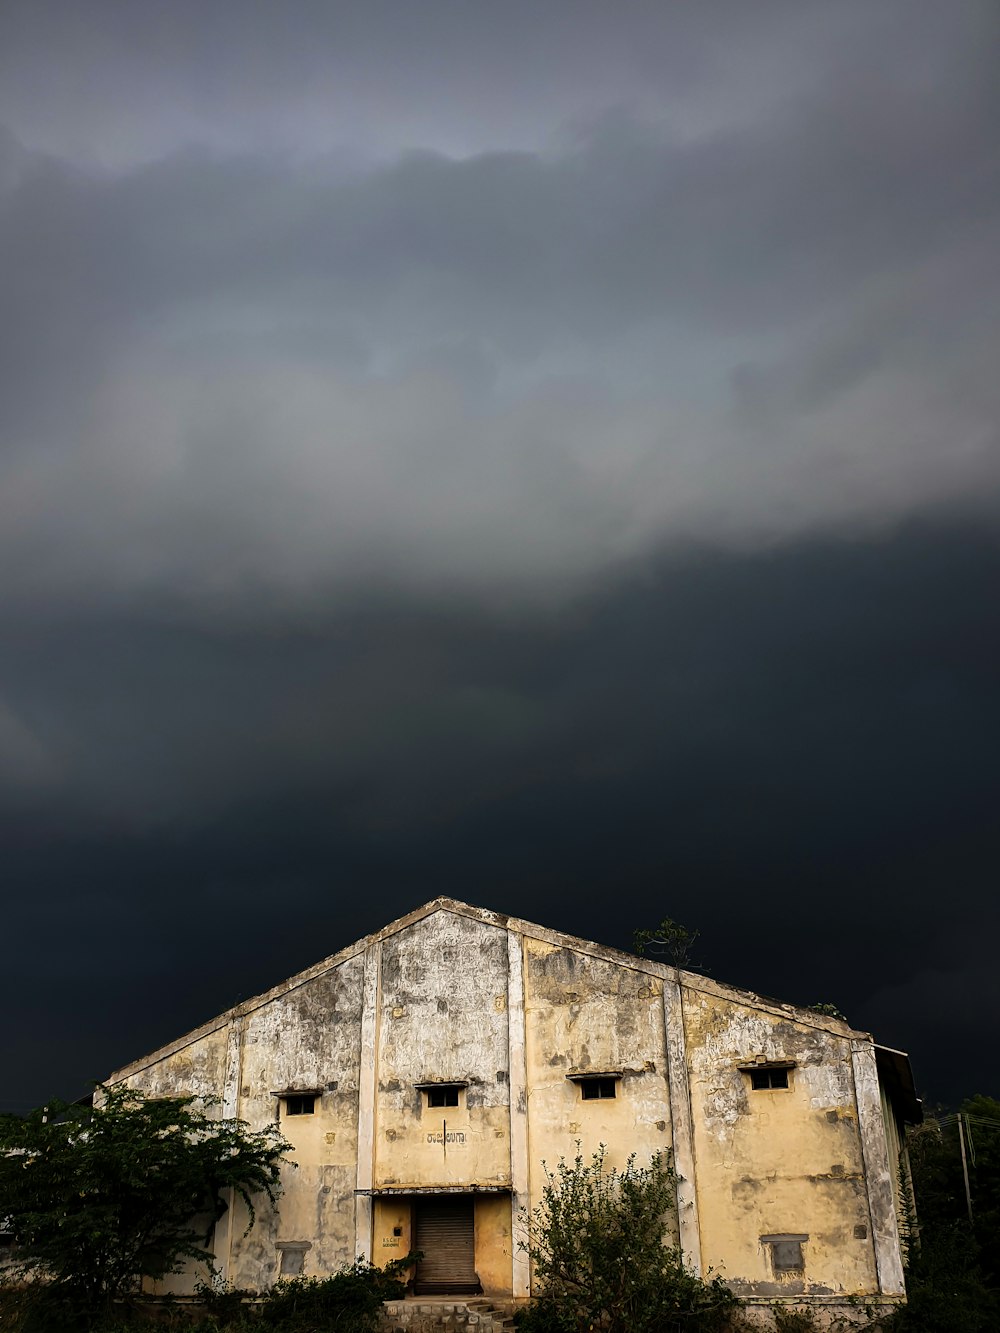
<point>98,1198</point>
<point>348,1302</point>
<point>603,1259</point>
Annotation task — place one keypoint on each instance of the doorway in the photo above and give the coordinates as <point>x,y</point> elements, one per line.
<point>445,1233</point>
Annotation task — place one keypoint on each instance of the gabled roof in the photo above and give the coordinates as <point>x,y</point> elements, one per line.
<point>557,938</point>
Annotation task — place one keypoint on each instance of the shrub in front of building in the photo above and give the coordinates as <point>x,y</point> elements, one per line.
<point>601,1246</point>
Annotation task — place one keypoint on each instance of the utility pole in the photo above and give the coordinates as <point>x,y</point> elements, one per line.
<point>965,1166</point>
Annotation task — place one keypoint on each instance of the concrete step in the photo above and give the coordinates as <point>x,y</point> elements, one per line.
<point>423,1315</point>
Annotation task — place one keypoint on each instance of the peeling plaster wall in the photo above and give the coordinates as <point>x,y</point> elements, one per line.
<point>308,1038</point>
<point>777,1162</point>
<point>585,1013</point>
<point>443,1016</point>
<point>196,1070</point>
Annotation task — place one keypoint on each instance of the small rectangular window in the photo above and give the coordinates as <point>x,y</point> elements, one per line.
<point>292,1256</point>
<point>300,1104</point>
<point>595,1088</point>
<point>786,1252</point>
<point>768,1078</point>
<point>442,1096</point>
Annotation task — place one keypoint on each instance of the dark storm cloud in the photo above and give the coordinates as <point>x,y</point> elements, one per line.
<point>114,80</point>
<point>234,371</point>
<point>794,752</point>
<point>542,454</point>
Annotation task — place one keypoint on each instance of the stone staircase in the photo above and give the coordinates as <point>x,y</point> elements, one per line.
<point>477,1314</point>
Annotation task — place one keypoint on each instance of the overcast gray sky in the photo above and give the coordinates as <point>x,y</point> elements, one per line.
<point>365,368</point>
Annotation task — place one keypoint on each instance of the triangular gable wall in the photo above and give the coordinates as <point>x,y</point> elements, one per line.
<point>530,929</point>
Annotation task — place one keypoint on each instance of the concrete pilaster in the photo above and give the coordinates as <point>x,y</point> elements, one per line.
<point>367,1084</point>
<point>232,1079</point>
<point>681,1125</point>
<point>878,1170</point>
<point>517,1077</point>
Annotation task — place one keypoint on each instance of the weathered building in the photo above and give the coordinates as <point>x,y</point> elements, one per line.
<point>424,1075</point>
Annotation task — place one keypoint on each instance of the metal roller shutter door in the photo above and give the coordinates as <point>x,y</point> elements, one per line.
<point>446,1236</point>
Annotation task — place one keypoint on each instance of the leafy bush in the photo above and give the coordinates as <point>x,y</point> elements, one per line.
<point>222,1306</point>
<point>602,1258</point>
<point>349,1300</point>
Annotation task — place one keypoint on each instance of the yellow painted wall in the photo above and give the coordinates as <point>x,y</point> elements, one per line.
<point>777,1161</point>
<point>391,1213</point>
<point>588,1013</point>
<point>585,1013</point>
<point>493,1243</point>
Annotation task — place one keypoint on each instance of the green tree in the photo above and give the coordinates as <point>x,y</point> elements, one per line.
<point>670,940</point>
<point>952,1265</point>
<point>100,1197</point>
<point>603,1258</point>
<point>981,1122</point>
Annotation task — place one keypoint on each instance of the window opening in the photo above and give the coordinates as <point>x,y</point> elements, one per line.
<point>761,1079</point>
<point>292,1256</point>
<point>593,1089</point>
<point>786,1252</point>
<point>442,1096</point>
<point>300,1104</point>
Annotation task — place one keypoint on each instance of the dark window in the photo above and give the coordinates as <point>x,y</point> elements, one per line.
<point>593,1088</point>
<point>786,1253</point>
<point>442,1096</point>
<point>768,1078</point>
<point>300,1104</point>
